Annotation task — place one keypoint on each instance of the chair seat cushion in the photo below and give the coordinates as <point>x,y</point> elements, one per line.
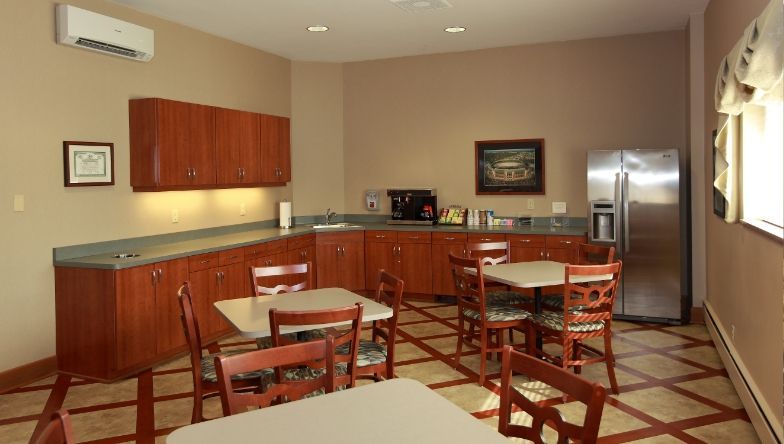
<point>505,297</point>
<point>556,301</point>
<point>208,368</point>
<point>369,352</point>
<point>304,373</point>
<point>497,313</point>
<point>555,321</point>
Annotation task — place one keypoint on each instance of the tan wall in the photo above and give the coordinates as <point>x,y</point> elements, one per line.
<point>51,93</point>
<point>413,121</point>
<point>744,268</point>
<point>317,137</point>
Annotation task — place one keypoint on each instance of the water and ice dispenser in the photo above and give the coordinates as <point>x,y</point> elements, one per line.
<point>603,220</point>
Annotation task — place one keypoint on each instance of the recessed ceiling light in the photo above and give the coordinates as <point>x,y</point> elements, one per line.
<point>455,29</point>
<point>318,28</point>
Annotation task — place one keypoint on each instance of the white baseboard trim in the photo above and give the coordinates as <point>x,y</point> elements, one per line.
<point>762,416</point>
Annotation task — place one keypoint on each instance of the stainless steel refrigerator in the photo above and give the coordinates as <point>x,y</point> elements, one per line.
<point>634,205</point>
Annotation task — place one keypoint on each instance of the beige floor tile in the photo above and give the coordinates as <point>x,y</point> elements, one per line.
<point>407,351</point>
<point>172,383</point>
<point>664,405</point>
<point>97,394</point>
<point>446,346</point>
<point>598,373</point>
<point>176,363</point>
<point>444,312</point>
<point>613,420</point>
<point>618,344</point>
<point>624,325</point>
<point>736,431</point>
<point>411,316</point>
<point>427,329</point>
<point>177,412</point>
<point>104,423</point>
<point>531,389</point>
<point>658,366</point>
<point>424,303</point>
<point>659,439</point>
<point>653,338</point>
<point>717,388</point>
<point>472,362</point>
<point>428,372</point>
<point>470,397</point>
<point>160,439</point>
<point>17,433</point>
<point>704,355</point>
<point>22,404</point>
<point>696,331</point>
<point>231,339</point>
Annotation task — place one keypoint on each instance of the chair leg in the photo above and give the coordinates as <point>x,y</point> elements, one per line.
<point>483,337</point>
<point>565,359</point>
<point>609,361</point>
<point>578,354</point>
<point>460,338</point>
<point>530,340</point>
<point>500,345</point>
<point>196,416</point>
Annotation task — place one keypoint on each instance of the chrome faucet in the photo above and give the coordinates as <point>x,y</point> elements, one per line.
<point>329,215</point>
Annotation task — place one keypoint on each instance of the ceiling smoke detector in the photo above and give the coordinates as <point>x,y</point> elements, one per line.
<point>421,5</point>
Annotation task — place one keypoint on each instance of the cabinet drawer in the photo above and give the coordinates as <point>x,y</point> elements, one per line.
<point>381,236</point>
<point>340,238</point>
<point>264,249</point>
<point>413,237</point>
<point>448,238</point>
<point>233,256</point>
<point>526,240</point>
<point>486,237</point>
<point>202,261</point>
<point>564,241</point>
<point>295,243</point>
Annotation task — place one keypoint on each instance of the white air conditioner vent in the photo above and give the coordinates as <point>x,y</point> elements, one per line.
<point>96,32</point>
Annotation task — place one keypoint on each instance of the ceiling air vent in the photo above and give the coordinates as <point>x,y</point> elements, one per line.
<point>421,5</point>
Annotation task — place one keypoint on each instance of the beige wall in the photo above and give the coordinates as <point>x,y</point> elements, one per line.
<point>317,137</point>
<point>413,121</point>
<point>50,93</point>
<point>744,268</point>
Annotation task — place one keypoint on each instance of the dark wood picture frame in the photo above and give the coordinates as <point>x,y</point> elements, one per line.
<point>88,163</point>
<point>510,166</point>
<point>719,202</point>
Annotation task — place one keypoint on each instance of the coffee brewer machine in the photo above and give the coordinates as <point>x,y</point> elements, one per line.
<point>413,206</point>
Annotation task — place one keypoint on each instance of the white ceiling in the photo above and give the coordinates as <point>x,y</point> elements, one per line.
<point>376,29</point>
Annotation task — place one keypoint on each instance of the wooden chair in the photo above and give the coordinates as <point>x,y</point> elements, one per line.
<point>493,253</point>
<point>587,313</point>
<point>58,430</point>
<point>205,380</point>
<point>586,392</point>
<point>307,354</point>
<point>476,318</point>
<point>284,273</point>
<point>374,358</point>
<point>345,364</point>
<point>587,254</point>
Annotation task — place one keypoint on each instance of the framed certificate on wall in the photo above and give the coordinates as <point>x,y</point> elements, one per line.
<point>88,163</point>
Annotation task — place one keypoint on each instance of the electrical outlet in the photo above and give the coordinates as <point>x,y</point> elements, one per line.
<point>732,332</point>
<point>242,209</point>
<point>175,213</point>
<point>531,204</point>
<point>18,202</point>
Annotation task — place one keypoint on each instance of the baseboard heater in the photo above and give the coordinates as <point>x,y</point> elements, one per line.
<point>765,422</point>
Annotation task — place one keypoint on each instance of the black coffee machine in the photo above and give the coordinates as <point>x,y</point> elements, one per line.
<point>413,206</point>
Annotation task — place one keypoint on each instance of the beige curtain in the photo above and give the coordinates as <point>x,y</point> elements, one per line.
<point>750,73</point>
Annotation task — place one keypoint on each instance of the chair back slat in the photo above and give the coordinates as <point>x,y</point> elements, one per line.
<point>470,288</point>
<point>584,391</point>
<point>595,298</point>
<point>58,430</point>
<point>262,278</point>
<point>190,326</point>
<point>308,352</point>
<point>491,253</point>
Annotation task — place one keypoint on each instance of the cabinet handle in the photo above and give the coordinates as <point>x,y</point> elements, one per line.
<point>413,237</point>
<point>205,261</point>
<point>153,278</point>
<point>194,173</point>
<point>548,255</point>
<point>525,240</point>
<point>254,252</point>
<point>541,254</point>
<point>449,238</point>
<point>160,274</point>
<point>566,242</point>
<point>486,239</point>
<point>381,236</point>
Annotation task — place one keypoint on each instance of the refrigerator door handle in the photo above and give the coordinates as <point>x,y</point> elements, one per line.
<point>626,241</point>
<point>617,227</point>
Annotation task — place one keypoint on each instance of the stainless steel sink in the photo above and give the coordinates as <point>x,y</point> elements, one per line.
<point>336,225</point>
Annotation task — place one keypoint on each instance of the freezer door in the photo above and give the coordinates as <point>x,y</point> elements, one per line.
<point>651,234</point>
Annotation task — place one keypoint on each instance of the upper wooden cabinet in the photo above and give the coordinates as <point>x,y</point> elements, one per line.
<point>184,146</point>
<point>275,149</point>
<point>172,145</point>
<point>237,145</point>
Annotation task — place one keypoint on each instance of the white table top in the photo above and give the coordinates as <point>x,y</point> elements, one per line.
<point>250,316</point>
<point>394,411</point>
<point>531,274</point>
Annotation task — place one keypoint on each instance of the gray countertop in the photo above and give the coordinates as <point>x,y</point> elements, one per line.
<point>166,251</point>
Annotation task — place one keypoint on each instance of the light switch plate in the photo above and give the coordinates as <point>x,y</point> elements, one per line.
<point>531,204</point>
<point>175,214</point>
<point>559,207</point>
<point>18,202</point>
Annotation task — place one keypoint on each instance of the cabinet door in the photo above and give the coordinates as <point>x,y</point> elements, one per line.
<point>204,292</point>
<point>201,144</point>
<point>169,277</point>
<point>135,315</point>
<point>443,244</point>
<point>284,149</point>
<point>238,156</point>
<point>415,267</point>
<point>378,256</point>
<point>352,266</point>
<point>173,143</point>
<point>275,143</point>
<point>327,265</point>
<point>231,285</point>
<point>528,254</point>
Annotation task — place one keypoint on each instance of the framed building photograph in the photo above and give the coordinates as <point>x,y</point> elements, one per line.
<point>510,166</point>
<point>88,163</point>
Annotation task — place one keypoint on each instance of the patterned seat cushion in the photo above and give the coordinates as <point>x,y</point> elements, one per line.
<point>304,373</point>
<point>556,301</point>
<point>555,321</point>
<point>369,353</point>
<point>497,313</point>
<point>504,297</point>
<point>208,368</point>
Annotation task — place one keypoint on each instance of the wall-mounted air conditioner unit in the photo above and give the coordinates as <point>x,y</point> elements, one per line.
<point>96,32</point>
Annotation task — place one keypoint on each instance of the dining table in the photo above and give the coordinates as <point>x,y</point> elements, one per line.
<point>389,412</point>
<point>250,316</point>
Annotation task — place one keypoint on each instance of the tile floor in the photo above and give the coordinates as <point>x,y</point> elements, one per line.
<point>673,388</point>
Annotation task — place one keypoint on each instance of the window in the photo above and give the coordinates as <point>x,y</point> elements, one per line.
<point>762,135</point>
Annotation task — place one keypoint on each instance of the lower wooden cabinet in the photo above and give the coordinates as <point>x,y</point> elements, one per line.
<point>340,260</point>
<point>405,254</point>
<point>215,277</point>
<point>442,245</point>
